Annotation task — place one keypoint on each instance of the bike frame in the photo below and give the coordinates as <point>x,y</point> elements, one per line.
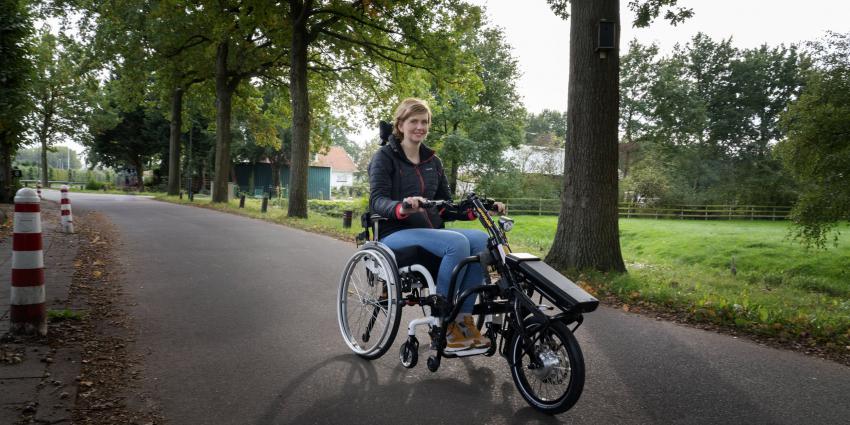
<point>508,287</point>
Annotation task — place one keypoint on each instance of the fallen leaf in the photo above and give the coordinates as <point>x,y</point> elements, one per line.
<point>96,273</point>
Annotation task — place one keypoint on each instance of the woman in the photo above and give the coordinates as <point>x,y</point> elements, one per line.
<point>405,171</point>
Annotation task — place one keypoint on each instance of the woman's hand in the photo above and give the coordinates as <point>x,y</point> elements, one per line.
<point>413,201</point>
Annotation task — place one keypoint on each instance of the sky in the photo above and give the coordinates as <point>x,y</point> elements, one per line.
<point>540,39</point>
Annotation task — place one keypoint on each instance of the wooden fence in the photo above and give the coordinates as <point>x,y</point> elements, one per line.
<point>535,206</point>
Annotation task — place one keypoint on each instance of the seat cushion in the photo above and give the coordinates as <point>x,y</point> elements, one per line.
<point>417,255</point>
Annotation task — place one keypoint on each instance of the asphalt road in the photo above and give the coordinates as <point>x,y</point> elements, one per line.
<point>238,326</point>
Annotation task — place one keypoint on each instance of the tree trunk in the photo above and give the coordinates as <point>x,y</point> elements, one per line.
<point>223,106</point>
<point>453,178</point>
<point>43,138</point>
<point>299,158</point>
<point>174,141</point>
<point>140,173</point>
<point>588,232</point>
<point>6,195</point>
<point>44,172</point>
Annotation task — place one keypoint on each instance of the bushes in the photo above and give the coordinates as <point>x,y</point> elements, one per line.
<point>336,208</point>
<point>93,184</point>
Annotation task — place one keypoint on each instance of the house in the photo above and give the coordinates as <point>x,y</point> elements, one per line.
<point>537,159</point>
<point>341,165</point>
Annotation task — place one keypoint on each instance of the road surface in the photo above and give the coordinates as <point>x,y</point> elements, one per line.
<point>238,326</point>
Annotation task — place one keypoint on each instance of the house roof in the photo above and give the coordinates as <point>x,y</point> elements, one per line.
<point>337,159</point>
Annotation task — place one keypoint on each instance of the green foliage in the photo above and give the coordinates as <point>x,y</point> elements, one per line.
<point>17,69</point>
<point>66,314</point>
<point>57,157</point>
<point>512,184</point>
<point>645,11</point>
<point>546,129</point>
<point>704,120</point>
<point>15,82</point>
<point>476,119</point>
<point>817,147</point>
<point>61,90</point>
<point>93,184</point>
<point>337,208</point>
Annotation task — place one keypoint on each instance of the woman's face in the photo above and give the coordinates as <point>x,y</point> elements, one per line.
<point>415,127</point>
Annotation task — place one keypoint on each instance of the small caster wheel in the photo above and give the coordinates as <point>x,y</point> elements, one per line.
<point>433,363</point>
<point>409,353</point>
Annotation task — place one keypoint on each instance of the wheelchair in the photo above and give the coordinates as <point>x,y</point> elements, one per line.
<point>545,359</point>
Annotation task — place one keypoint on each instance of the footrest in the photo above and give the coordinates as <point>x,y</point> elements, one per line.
<point>466,353</point>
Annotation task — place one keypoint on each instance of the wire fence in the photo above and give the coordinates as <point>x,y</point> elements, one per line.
<point>536,206</point>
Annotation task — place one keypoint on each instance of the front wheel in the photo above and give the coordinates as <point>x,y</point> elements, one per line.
<point>550,376</point>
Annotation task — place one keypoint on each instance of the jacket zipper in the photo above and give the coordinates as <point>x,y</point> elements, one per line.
<point>422,193</point>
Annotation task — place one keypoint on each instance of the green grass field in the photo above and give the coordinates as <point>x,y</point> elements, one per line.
<point>780,289</point>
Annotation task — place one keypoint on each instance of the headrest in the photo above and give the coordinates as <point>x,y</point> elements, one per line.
<point>385,130</point>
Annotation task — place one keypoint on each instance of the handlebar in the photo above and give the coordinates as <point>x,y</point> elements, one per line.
<point>428,203</point>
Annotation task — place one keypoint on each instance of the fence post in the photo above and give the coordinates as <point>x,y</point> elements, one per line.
<point>540,206</point>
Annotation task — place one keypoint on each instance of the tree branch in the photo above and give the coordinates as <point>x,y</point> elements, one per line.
<point>192,41</point>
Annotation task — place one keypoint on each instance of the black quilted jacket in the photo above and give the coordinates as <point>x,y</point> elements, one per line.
<point>392,177</point>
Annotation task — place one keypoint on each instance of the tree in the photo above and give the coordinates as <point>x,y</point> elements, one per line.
<point>15,72</point>
<point>817,144</point>
<point>587,235</point>
<point>120,138</point>
<point>638,73</point>
<point>481,117</point>
<point>59,93</point>
<point>547,129</point>
<point>358,45</point>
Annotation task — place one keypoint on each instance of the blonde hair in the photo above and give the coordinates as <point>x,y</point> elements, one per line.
<point>406,108</point>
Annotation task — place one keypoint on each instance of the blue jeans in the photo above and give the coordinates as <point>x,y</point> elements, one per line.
<point>453,245</point>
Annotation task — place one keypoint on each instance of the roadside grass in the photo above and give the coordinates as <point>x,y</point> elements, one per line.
<point>780,289</point>
<point>276,212</point>
<point>64,314</point>
<point>112,192</point>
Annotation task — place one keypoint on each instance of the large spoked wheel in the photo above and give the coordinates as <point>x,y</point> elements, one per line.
<point>368,307</point>
<point>550,376</point>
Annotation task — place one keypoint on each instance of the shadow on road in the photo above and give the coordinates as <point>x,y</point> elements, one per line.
<point>349,390</point>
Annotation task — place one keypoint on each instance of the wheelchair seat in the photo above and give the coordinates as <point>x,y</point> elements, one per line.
<point>417,255</point>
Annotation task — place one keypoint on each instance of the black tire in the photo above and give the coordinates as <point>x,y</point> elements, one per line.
<point>368,307</point>
<point>556,388</point>
<point>409,353</point>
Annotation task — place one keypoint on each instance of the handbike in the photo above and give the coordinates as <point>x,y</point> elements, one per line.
<point>544,357</point>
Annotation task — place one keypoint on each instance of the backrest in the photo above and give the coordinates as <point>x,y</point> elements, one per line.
<point>369,222</point>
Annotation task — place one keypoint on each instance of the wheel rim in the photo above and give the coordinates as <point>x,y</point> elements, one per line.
<point>550,383</point>
<point>365,295</point>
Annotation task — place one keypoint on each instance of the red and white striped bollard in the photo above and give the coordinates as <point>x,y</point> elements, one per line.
<point>67,216</point>
<point>27,313</point>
